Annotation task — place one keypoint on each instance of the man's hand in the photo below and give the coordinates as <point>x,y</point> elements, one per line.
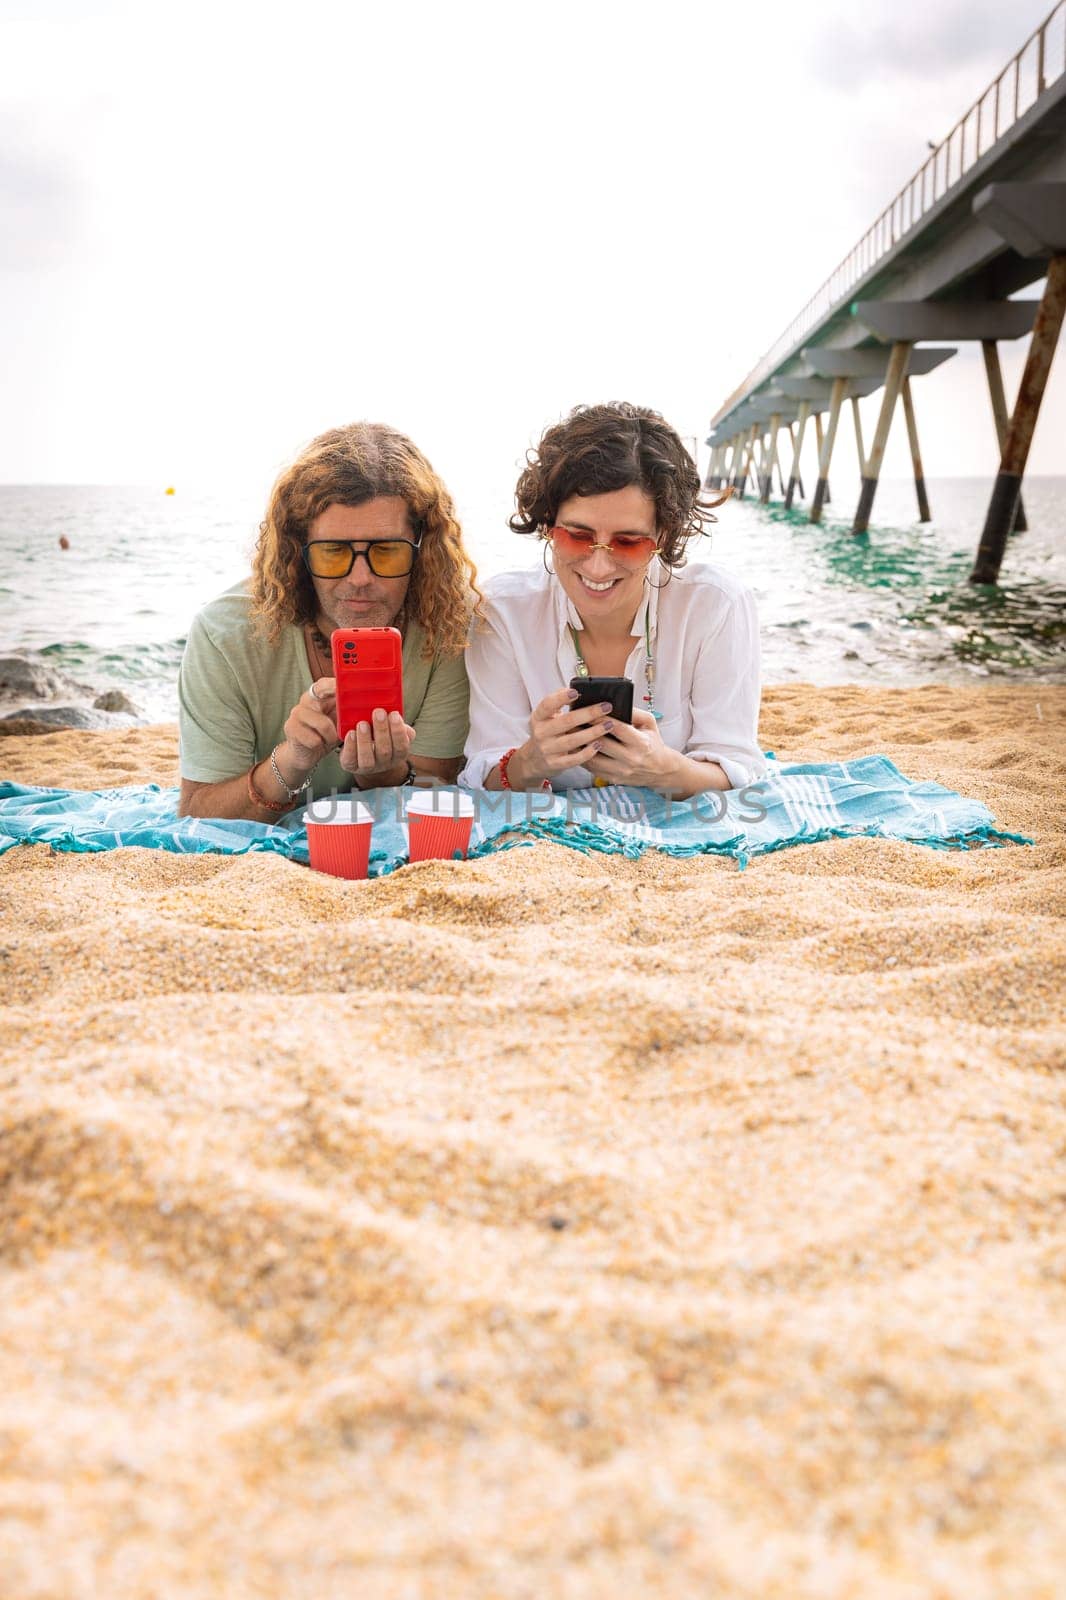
<point>310,732</point>
<point>374,750</point>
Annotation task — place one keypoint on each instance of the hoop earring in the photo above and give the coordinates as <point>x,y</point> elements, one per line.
<point>669,578</point>
<point>546,545</point>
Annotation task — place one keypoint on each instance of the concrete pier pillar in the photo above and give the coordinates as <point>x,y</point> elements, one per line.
<point>746,458</point>
<point>894,376</point>
<point>836,400</point>
<point>994,374</point>
<point>1004,502</point>
<point>818,443</point>
<point>734,462</point>
<point>769,458</point>
<point>857,419</point>
<point>797,446</point>
<point>924,514</point>
<point>756,461</point>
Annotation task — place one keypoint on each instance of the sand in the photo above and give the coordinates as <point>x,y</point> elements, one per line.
<point>546,1225</point>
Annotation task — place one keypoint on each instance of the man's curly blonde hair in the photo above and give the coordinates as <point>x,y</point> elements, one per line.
<point>349,466</point>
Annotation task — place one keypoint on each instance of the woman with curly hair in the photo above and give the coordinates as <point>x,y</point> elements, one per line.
<point>614,497</point>
<point>360,532</point>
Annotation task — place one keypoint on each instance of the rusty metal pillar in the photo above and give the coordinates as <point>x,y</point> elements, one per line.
<point>894,376</point>
<point>769,458</point>
<point>818,448</point>
<point>836,400</point>
<point>924,514</point>
<point>994,374</point>
<point>1008,485</point>
<point>797,446</point>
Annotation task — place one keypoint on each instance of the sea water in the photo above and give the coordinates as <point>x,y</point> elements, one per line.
<point>893,606</point>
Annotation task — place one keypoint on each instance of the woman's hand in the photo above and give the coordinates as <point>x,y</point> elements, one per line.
<point>558,738</point>
<point>636,755</point>
<point>375,748</point>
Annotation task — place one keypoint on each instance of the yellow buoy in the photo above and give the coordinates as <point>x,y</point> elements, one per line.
<point>170,491</point>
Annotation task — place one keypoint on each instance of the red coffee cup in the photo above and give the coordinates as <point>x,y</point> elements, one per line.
<point>438,824</point>
<point>338,836</point>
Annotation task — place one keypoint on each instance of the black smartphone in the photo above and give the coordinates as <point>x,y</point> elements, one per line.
<point>596,691</point>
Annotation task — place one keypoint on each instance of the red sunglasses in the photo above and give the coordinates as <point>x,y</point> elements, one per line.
<point>628,548</point>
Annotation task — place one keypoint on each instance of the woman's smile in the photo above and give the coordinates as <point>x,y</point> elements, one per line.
<point>609,589</point>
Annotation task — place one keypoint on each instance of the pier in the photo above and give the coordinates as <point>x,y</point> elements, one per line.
<point>982,218</point>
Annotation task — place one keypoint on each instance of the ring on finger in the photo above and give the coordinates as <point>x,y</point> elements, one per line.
<point>311,691</point>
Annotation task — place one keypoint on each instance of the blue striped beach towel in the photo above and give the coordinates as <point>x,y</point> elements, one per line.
<point>792,805</point>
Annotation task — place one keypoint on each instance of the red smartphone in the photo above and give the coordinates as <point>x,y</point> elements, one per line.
<point>368,667</point>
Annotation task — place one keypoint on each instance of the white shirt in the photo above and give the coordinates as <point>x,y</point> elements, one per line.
<point>705,641</point>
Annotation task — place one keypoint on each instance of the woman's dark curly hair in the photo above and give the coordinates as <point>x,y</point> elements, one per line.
<point>349,466</point>
<point>597,449</point>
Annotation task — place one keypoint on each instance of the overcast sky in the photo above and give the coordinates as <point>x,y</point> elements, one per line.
<point>226,227</point>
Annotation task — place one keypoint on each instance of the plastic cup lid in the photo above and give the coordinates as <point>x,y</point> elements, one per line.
<point>337,809</point>
<point>450,803</point>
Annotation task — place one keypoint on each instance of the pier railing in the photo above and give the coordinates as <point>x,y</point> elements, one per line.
<point>1039,62</point>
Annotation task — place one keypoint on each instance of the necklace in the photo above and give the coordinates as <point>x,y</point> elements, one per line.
<point>582,670</point>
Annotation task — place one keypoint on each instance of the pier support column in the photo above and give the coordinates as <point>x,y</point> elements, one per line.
<point>1008,486</point>
<point>894,376</point>
<point>797,446</point>
<point>751,460</point>
<point>746,460</point>
<point>756,461</point>
<point>769,458</point>
<point>818,442</point>
<point>857,419</point>
<point>738,457</point>
<point>994,374</point>
<point>836,400</point>
<point>924,514</point>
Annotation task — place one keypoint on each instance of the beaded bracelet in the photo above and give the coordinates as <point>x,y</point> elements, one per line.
<point>505,761</point>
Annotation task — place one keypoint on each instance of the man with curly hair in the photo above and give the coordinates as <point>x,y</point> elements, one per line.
<point>360,532</point>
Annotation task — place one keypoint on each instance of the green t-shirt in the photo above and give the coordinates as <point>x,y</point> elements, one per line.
<point>235,692</point>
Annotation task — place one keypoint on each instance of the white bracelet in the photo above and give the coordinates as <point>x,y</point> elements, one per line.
<point>292,793</point>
